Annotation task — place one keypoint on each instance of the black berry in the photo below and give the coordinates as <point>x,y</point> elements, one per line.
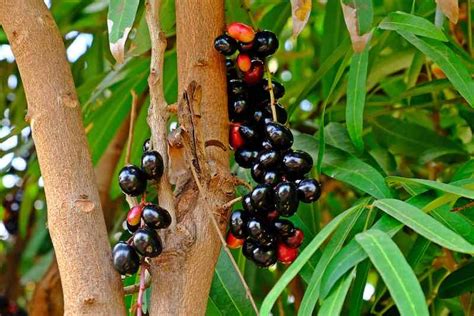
<point>266,43</point>
<point>125,258</point>
<point>268,158</point>
<point>309,190</point>
<point>238,223</point>
<point>147,242</point>
<point>225,45</point>
<point>245,157</point>
<point>152,165</point>
<point>132,180</point>
<point>156,217</point>
<point>264,256</point>
<point>247,203</point>
<point>297,163</point>
<point>286,198</point>
<point>284,228</point>
<point>263,198</point>
<point>279,135</point>
<point>146,145</point>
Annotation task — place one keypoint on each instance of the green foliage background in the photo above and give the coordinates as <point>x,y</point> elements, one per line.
<point>390,132</point>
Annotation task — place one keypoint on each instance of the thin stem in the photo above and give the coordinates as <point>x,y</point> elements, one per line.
<point>272,95</point>
<point>141,290</point>
<point>131,127</point>
<point>231,202</point>
<point>134,288</point>
<point>222,239</point>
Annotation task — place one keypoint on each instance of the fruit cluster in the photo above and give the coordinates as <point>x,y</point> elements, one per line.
<point>262,143</point>
<point>11,204</point>
<point>144,219</point>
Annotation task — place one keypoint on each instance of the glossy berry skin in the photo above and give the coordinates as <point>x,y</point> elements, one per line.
<point>249,134</point>
<point>238,223</point>
<point>134,218</point>
<point>265,43</point>
<point>295,240</point>
<point>238,108</point>
<point>230,69</point>
<point>236,140</point>
<point>244,63</point>
<point>267,116</point>
<point>309,190</point>
<point>225,45</point>
<point>278,89</point>
<point>156,217</point>
<point>285,254</point>
<point>258,173</point>
<point>248,247</point>
<point>297,163</point>
<point>245,157</point>
<point>255,74</point>
<point>147,242</point>
<point>264,256</point>
<point>286,198</point>
<point>125,258</point>
<point>279,135</point>
<point>246,48</point>
<point>268,158</point>
<point>247,204</point>
<point>132,180</point>
<point>152,165</point>
<point>236,88</point>
<point>257,230</point>
<point>263,198</point>
<point>234,242</point>
<point>271,177</point>
<point>241,32</point>
<point>283,228</point>
<point>146,145</point>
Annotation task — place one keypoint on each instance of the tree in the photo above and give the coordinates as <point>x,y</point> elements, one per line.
<point>379,95</point>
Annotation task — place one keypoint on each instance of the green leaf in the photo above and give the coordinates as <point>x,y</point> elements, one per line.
<point>236,12</point>
<point>449,188</point>
<point>344,167</point>
<point>424,225</point>
<point>311,294</point>
<point>120,20</point>
<point>277,17</point>
<point>356,299</point>
<point>334,302</point>
<point>364,12</point>
<point>459,282</point>
<point>398,276</point>
<point>356,97</point>
<point>304,256</point>
<point>448,61</point>
<point>227,292</point>
<point>401,21</point>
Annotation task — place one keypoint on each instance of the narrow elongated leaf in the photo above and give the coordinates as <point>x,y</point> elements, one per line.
<point>398,276</point>
<point>304,256</point>
<point>120,20</point>
<point>448,188</point>
<point>458,282</point>
<point>358,15</point>
<point>450,8</point>
<point>333,304</point>
<point>448,61</point>
<point>401,21</point>
<point>344,167</point>
<point>424,225</point>
<point>300,11</point>
<point>311,294</point>
<point>227,292</point>
<point>356,97</point>
<point>356,299</point>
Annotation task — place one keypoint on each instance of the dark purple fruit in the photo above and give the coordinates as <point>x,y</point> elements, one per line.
<point>278,89</point>
<point>238,223</point>
<point>245,47</point>
<point>132,180</point>
<point>225,44</point>
<point>147,145</point>
<point>279,135</point>
<point>297,163</point>
<point>247,203</point>
<point>248,247</point>
<point>236,88</point>
<point>257,230</point>
<point>286,198</point>
<point>283,228</point>
<point>265,43</point>
<point>258,173</point>
<point>271,177</point>
<point>264,256</point>
<point>238,108</point>
<point>245,157</point>
<point>230,69</point>
<point>152,165</point>
<point>147,242</point>
<point>268,158</point>
<point>125,258</point>
<point>156,217</point>
<point>263,198</point>
<point>309,190</point>
<point>249,134</point>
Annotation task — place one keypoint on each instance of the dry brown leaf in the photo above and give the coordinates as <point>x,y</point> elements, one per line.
<point>350,17</point>
<point>300,11</point>
<point>450,8</point>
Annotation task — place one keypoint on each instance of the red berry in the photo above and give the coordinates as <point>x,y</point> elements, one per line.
<point>235,138</point>
<point>134,215</point>
<point>255,74</point>
<point>286,255</point>
<point>296,240</point>
<point>244,62</point>
<point>273,215</point>
<point>234,242</point>
<point>241,32</point>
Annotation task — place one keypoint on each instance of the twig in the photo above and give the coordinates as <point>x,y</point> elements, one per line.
<point>134,288</point>
<point>131,127</point>
<point>222,239</point>
<point>272,95</point>
<point>158,113</point>
<point>461,208</point>
<point>231,202</point>
<point>141,289</point>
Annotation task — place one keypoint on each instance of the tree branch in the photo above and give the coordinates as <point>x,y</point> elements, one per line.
<point>75,218</point>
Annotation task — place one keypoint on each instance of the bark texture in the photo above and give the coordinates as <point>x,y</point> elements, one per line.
<point>182,275</point>
<point>75,219</point>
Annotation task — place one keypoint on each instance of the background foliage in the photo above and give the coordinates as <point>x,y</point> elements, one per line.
<point>390,127</point>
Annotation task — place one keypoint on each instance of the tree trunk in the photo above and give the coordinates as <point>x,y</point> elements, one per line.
<point>182,276</point>
<point>75,219</point>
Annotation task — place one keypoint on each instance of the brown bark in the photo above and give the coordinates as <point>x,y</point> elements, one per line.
<point>75,219</point>
<point>182,275</point>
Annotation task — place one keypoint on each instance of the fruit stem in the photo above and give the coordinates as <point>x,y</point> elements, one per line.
<point>272,95</point>
<point>141,289</point>
<point>131,126</point>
